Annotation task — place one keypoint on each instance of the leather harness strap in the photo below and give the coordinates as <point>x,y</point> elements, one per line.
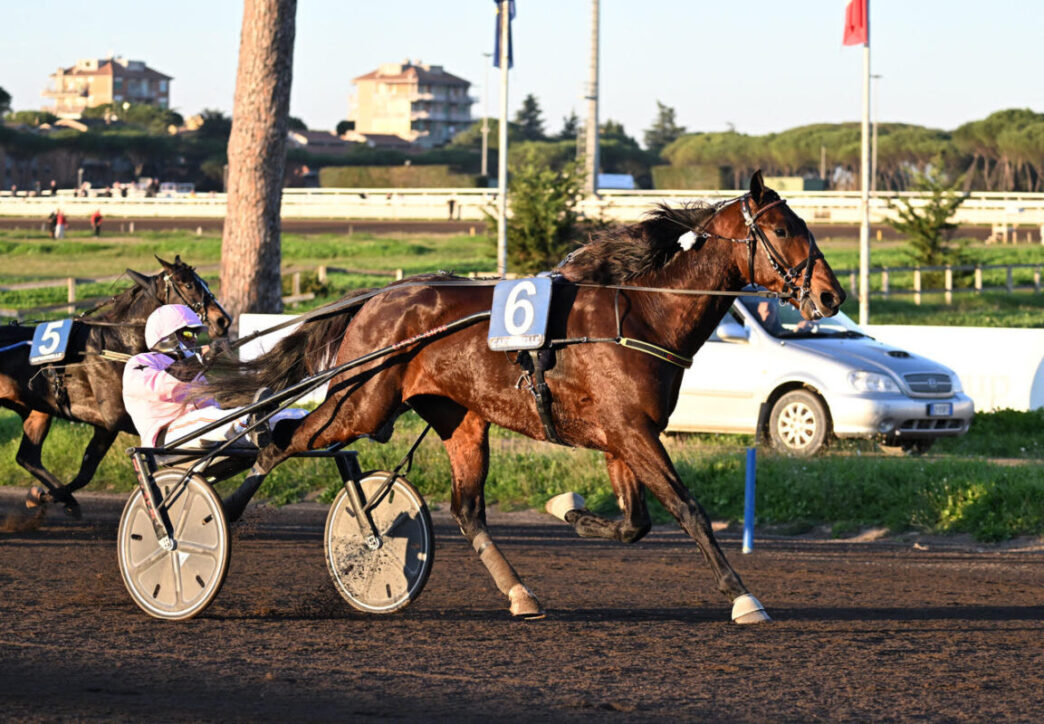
<point>542,395</point>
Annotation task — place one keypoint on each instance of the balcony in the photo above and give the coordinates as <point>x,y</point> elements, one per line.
<point>72,93</point>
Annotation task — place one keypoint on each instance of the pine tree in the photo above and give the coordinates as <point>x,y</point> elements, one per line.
<point>664,129</point>
<point>529,121</point>
<point>570,127</point>
<point>251,250</point>
<point>928,228</point>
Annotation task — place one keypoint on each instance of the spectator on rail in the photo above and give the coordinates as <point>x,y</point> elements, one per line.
<point>96,219</point>
<point>54,187</point>
<point>164,407</point>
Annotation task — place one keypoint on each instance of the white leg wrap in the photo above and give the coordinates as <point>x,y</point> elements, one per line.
<point>747,609</point>
<point>523,603</point>
<point>559,505</point>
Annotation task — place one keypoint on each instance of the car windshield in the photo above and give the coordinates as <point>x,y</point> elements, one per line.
<point>784,321</point>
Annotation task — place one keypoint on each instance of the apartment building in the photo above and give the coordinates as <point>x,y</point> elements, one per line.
<point>95,82</point>
<point>417,102</point>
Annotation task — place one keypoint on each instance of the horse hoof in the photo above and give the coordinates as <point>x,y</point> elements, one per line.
<point>559,505</point>
<point>523,603</point>
<point>37,497</point>
<point>747,609</point>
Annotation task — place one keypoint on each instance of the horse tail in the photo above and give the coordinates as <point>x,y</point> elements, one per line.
<point>305,352</point>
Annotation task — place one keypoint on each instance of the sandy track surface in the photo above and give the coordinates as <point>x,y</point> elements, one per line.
<point>877,630</point>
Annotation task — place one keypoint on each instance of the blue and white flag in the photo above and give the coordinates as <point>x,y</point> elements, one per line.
<point>496,36</point>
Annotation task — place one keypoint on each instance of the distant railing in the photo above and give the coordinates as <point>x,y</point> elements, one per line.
<point>998,209</point>
<point>73,303</point>
<point>916,275</point>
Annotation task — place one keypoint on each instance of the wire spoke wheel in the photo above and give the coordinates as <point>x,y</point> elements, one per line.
<point>180,583</point>
<point>388,577</point>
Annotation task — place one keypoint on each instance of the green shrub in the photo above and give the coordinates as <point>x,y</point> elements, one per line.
<point>542,226</point>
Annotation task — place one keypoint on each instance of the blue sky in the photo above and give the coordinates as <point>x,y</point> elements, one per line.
<point>758,65</point>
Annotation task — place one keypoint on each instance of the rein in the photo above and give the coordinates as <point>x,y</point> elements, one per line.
<point>345,304</point>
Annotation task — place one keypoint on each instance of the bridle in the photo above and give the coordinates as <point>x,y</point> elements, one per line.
<point>755,234</point>
<point>169,285</point>
<point>199,306</point>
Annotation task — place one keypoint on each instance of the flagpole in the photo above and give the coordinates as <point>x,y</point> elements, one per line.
<point>864,225</point>
<point>502,135</point>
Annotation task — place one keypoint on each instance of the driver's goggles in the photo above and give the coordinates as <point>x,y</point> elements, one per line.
<point>193,336</point>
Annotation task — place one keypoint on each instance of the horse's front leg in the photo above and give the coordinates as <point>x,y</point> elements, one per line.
<point>35,426</point>
<point>629,496</point>
<point>466,438</point>
<point>646,456</point>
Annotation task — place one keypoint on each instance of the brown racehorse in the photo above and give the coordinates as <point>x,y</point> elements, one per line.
<point>86,386</point>
<point>606,396</point>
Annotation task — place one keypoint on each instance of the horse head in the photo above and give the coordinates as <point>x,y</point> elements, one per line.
<point>181,284</point>
<point>781,254</point>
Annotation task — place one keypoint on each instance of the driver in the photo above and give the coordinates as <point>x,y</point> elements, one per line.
<point>767,311</point>
<point>164,407</point>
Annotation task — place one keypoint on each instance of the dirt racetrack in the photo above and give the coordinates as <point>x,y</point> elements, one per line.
<point>887,631</point>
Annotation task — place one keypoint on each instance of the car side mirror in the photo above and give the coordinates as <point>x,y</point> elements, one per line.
<point>732,331</point>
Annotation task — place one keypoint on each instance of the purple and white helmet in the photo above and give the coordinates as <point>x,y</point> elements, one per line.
<point>165,327</point>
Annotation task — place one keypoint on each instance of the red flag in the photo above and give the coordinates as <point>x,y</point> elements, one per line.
<point>857,24</point>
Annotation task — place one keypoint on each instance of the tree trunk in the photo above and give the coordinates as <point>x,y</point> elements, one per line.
<point>969,173</point>
<point>250,246</point>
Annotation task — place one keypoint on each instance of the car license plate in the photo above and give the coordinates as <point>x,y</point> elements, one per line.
<point>940,409</point>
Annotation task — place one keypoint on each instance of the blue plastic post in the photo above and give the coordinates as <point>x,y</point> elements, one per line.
<point>748,501</point>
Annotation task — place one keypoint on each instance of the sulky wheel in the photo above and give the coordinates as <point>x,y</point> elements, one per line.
<point>387,578</point>
<point>180,583</point>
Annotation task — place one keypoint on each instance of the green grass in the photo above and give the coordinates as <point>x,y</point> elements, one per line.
<point>989,309</point>
<point>954,490</point>
<point>36,257</point>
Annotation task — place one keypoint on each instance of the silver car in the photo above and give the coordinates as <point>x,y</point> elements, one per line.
<point>766,370</point>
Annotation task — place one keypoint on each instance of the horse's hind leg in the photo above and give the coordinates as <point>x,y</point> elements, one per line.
<point>629,495</point>
<point>466,438</point>
<point>100,443</point>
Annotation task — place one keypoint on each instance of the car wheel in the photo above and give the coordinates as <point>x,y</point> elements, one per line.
<point>798,424</point>
<point>910,448</point>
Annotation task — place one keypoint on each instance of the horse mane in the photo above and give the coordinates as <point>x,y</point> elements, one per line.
<point>624,252</point>
<point>122,303</point>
